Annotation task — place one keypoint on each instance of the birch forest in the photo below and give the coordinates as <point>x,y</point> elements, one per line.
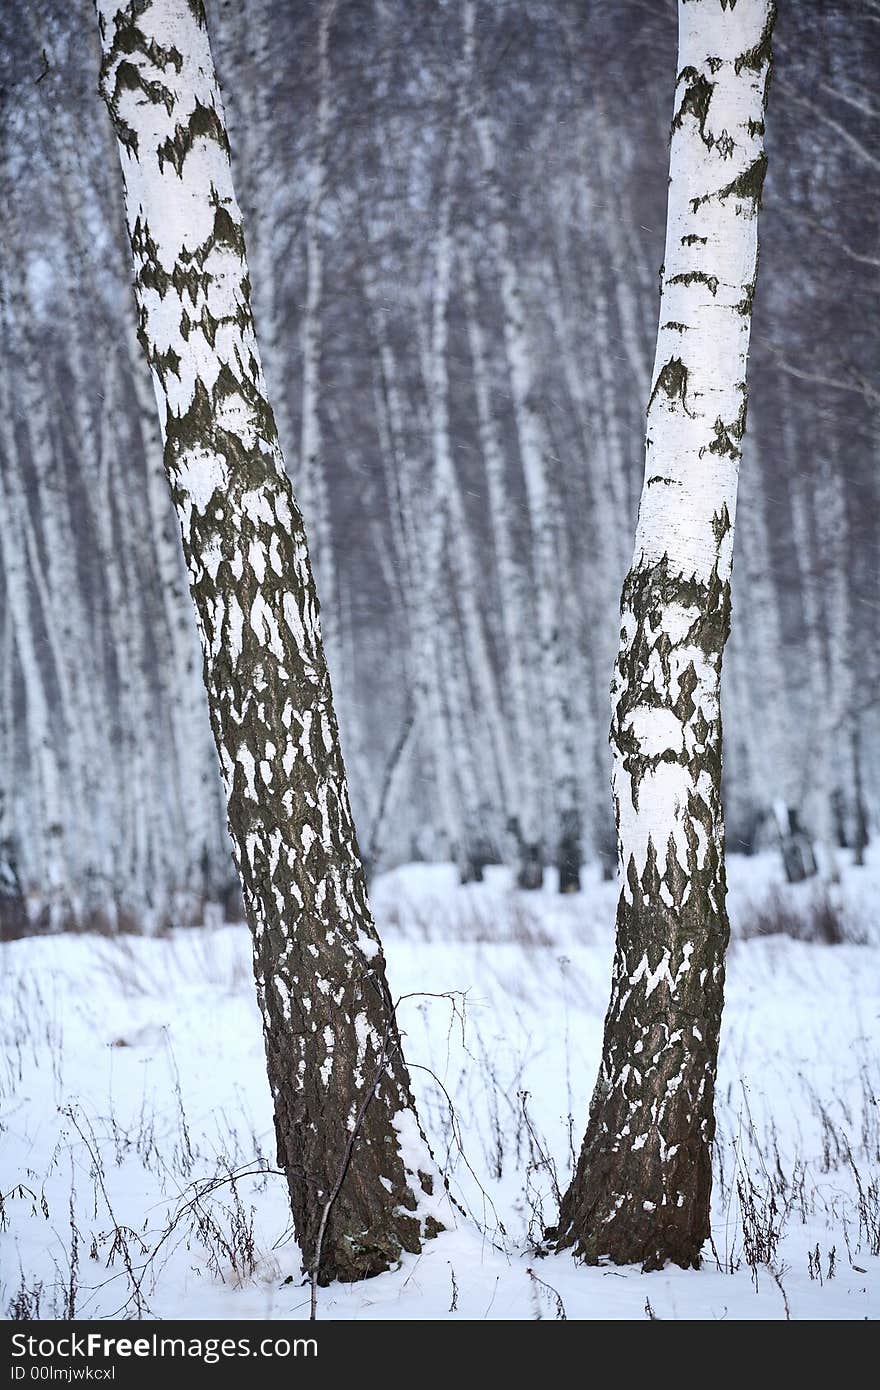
<point>396,397</point>
<point>455,224</point>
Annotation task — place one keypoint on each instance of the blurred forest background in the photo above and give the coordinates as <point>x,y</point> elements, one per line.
<point>455,249</point>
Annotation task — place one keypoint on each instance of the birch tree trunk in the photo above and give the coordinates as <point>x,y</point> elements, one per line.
<point>402,483</point>
<point>312,483</point>
<point>836,697</point>
<point>759,655</point>
<point>41,729</point>
<point>817,771</point>
<point>535,457</point>
<point>448,521</point>
<point>642,1187</point>
<point>359,1171</point>
<point>512,587</point>
<point>31,450</point>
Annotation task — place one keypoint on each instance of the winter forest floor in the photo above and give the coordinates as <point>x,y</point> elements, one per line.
<point>137,1134</point>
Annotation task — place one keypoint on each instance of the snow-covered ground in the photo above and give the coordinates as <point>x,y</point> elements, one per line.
<point>137,1138</point>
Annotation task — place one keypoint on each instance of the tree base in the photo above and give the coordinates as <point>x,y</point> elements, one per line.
<point>599,1223</point>
<point>570,875</point>
<point>568,856</point>
<point>385,1204</point>
<point>530,876</point>
<point>637,1198</point>
<point>349,1258</point>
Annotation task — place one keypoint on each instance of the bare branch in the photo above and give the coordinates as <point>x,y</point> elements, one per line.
<point>859,385</point>
<point>855,102</point>
<point>846,135</point>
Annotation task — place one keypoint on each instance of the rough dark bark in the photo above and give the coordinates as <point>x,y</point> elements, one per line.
<point>360,1174</point>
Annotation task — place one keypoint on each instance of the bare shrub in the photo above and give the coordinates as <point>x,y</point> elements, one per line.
<point>505,922</point>
<point>818,917</point>
<point>109,915</point>
<point>191,957</point>
<point>26,1304</point>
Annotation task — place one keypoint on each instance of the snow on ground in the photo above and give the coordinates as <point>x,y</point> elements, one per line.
<point>136,1122</point>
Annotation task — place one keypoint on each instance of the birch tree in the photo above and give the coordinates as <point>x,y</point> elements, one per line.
<point>360,1175</point>
<point>512,588</point>
<point>312,484</point>
<point>447,522</point>
<point>642,1187</point>
<point>535,455</point>
<point>41,729</point>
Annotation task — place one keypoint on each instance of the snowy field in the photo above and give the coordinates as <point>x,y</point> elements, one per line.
<point>137,1172</point>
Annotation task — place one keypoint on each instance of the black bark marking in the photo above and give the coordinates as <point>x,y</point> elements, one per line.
<point>762,52</point>
<point>203,123</point>
<point>696,277</point>
<point>725,145</point>
<point>725,441</point>
<point>672,379</point>
<point>744,306</point>
<point>747,186</point>
<point>695,102</point>
<point>721,524</point>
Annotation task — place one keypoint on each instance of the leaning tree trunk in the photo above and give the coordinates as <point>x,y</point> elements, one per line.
<point>643,1181</point>
<point>358,1168</point>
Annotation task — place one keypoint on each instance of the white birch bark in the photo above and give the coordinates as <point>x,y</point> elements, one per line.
<point>604,466</point>
<point>617,225</point>
<point>181,826</point>
<point>14,919</point>
<point>141,878</point>
<point>841,635</point>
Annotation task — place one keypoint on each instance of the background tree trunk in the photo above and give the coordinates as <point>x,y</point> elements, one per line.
<point>535,455</point>
<point>312,479</point>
